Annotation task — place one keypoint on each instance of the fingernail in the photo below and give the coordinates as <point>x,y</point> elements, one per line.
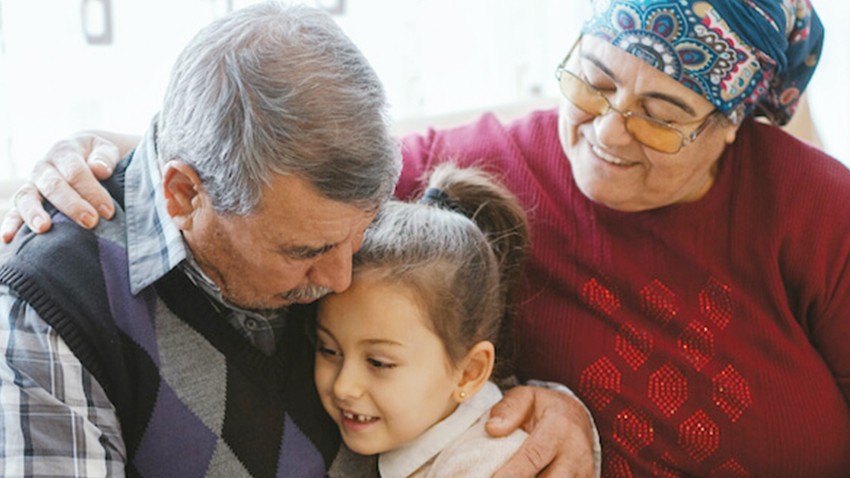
<point>38,222</point>
<point>105,211</point>
<point>87,220</point>
<point>104,165</point>
<point>496,421</point>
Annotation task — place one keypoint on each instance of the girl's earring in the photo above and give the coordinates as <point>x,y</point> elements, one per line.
<point>462,394</point>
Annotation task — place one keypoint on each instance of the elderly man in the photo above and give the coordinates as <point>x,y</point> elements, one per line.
<point>162,343</point>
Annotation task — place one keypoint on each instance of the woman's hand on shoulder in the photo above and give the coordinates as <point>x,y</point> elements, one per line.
<point>68,176</point>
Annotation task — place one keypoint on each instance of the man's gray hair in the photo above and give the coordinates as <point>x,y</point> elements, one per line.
<point>275,89</point>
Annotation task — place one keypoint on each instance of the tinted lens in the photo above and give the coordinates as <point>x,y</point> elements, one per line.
<point>657,136</point>
<point>582,95</point>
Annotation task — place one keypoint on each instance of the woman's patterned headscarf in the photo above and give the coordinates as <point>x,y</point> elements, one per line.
<point>745,56</point>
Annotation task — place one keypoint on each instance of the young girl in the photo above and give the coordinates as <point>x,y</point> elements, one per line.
<point>405,355</point>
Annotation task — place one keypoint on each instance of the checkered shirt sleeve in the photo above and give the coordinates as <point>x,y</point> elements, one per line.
<point>55,419</point>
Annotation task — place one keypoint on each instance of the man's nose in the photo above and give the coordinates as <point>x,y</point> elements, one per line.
<point>333,269</point>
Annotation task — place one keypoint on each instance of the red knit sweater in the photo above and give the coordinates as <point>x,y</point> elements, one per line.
<point>710,338</point>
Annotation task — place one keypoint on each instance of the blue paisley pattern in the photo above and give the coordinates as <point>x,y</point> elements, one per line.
<point>744,56</point>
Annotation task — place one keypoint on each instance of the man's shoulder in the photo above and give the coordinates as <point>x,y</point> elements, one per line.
<point>61,274</point>
<point>30,252</point>
<point>63,249</point>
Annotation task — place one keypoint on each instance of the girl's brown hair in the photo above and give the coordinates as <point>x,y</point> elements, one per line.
<point>460,249</point>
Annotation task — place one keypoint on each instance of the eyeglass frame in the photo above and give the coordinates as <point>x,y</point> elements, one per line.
<point>687,138</point>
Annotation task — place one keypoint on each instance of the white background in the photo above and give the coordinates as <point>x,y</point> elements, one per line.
<point>435,57</point>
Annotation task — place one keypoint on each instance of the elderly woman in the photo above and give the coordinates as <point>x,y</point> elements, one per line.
<point>690,271</point>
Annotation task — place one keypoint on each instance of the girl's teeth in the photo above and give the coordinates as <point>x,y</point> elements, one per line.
<point>357,418</point>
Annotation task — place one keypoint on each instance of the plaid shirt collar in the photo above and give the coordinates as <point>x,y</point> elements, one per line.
<point>154,244</point>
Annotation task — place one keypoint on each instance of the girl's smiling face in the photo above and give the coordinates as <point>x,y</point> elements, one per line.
<point>383,375</point>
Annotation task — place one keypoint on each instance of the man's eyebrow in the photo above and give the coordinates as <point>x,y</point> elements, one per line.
<point>653,94</point>
<point>305,252</point>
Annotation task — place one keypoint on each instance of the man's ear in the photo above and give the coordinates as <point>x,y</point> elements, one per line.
<point>183,192</point>
<point>475,370</point>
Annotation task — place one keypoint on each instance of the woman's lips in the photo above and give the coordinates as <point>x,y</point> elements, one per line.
<point>609,158</point>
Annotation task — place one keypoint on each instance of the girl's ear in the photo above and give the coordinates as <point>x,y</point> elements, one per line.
<point>183,190</point>
<point>475,370</point>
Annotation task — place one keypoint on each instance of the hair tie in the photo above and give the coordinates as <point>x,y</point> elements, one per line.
<point>439,198</point>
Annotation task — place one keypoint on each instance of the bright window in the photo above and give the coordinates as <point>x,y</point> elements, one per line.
<point>436,57</point>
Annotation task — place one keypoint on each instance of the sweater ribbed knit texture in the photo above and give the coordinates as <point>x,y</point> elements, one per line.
<point>708,339</point>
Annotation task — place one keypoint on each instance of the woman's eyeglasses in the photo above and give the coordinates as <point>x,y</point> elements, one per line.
<point>656,134</point>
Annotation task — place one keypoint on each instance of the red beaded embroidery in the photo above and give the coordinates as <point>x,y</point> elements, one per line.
<point>633,430</point>
<point>715,302</point>
<point>615,466</point>
<point>699,436</point>
<point>730,469</point>
<point>697,344</point>
<point>731,393</point>
<point>659,302</point>
<point>666,468</point>
<point>668,389</point>
<point>600,298</point>
<point>600,383</point>
<point>633,345</point>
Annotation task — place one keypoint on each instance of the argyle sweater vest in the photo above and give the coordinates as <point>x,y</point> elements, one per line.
<point>193,396</point>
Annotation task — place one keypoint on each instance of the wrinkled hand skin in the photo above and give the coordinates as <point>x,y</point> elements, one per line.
<point>68,176</point>
<point>560,442</point>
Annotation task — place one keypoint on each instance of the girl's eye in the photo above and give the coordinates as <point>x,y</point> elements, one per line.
<point>327,351</point>
<point>381,365</point>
